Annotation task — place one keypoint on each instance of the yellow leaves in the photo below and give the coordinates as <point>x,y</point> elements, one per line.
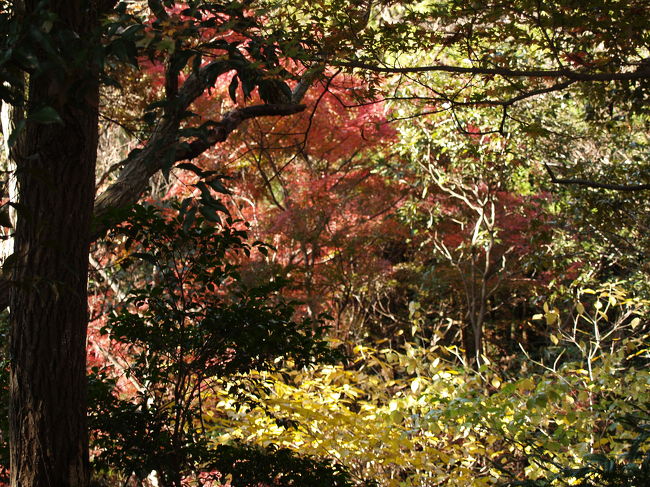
<point>396,417</point>
<point>433,366</point>
<point>580,371</point>
<point>600,442</point>
<point>552,316</point>
<point>363,350</point>
<point>334,342</point>
<point>481,481</point>
<point>525,385</point>
<point>432,424</point>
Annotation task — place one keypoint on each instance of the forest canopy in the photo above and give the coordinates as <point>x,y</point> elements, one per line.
<point>325,243</point>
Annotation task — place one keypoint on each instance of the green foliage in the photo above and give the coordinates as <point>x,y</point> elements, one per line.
<point>193,327</point>
<point>631,468</point>
<point>498,54</point>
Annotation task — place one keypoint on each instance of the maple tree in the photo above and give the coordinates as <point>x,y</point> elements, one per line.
<point>326,210</point>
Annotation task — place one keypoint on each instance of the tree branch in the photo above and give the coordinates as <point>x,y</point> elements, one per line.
<point>594,184</point>
<point>157,9</point>
<point>163,147</point>
<point>229,123</point>
<point>642,71</point>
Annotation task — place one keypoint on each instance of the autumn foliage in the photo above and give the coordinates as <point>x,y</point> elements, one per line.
<point>392,244</point>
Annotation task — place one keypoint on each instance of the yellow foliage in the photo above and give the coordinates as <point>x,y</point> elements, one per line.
<point>436,424</point>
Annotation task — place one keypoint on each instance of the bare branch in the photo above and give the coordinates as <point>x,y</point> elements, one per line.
<point>594,184</point>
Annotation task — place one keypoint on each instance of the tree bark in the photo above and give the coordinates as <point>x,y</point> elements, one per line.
<point>55,174</point>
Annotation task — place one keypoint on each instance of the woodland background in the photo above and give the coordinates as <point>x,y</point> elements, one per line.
<point>425,277</point>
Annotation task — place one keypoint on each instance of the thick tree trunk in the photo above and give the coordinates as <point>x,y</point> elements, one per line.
<point>56,170</point>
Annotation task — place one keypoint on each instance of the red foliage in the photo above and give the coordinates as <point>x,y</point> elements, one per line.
<point>306,184</point>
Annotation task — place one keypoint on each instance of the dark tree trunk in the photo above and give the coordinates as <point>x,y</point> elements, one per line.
<point>473,344</point>
<point>469,344</point>
<point>55,171</point>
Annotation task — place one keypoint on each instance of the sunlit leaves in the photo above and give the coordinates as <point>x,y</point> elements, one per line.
<point>439,424</point>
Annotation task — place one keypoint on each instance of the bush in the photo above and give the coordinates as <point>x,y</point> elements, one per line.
<point>187,327</point>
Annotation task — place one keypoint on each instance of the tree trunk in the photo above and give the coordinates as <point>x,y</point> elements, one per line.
<point>55,173</point>
<point>469,343</point>
<point>472,336</point>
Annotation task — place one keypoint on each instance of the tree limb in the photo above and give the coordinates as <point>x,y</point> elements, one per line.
<point>594,184</point>
<point>157,9</point>
<point>642,71</point>
<point>163,147</point>
<point>230,122</point>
